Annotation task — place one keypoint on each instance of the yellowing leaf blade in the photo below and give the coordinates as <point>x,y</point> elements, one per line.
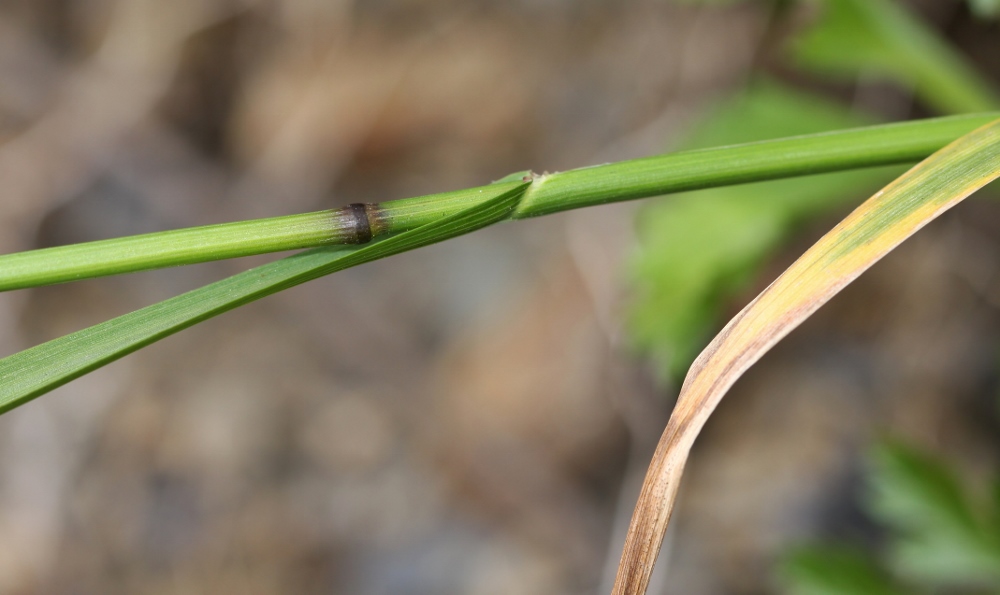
<point>850,248</point>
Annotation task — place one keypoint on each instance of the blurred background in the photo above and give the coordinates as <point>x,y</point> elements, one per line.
<point>475,417</point>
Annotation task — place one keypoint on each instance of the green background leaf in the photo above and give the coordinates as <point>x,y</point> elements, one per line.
<point>834,570</point>
<point>877,37</point>
<point>940,537</point>
<point>698,249</point>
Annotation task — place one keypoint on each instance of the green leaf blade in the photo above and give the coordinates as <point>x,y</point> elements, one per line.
<point>865,37</point>
<point>35,371</point>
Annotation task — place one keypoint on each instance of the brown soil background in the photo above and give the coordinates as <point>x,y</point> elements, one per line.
<point>466,418</point>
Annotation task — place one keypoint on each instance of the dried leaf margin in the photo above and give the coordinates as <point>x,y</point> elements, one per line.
<point>870,232</point>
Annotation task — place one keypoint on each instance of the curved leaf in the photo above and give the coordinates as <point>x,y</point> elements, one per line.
<point>860,240</point>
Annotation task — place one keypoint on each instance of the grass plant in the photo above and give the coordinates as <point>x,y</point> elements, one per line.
<point>873,146</point>
<point>359,234</point>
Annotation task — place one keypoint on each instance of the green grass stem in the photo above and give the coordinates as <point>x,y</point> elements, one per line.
<point>30,373</point>
<point>675,172</point>
<point>35,371</point>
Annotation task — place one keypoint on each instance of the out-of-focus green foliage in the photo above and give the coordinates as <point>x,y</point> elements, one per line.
<point>878,37</point>
<point>985,8</point>
<point>835,570</point>
<point>699,248</point>
<point>940,535</point>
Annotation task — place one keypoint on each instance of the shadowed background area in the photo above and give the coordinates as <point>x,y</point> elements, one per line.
<point>473,417</point>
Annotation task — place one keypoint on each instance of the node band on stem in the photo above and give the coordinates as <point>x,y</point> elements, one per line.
<point>549,193</point>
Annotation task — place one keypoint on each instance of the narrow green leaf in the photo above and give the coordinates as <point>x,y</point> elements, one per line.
<point>879,37</point>
<point>35,371</point>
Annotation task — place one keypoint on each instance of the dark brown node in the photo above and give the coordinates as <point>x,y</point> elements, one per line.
<point>360,225</point>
